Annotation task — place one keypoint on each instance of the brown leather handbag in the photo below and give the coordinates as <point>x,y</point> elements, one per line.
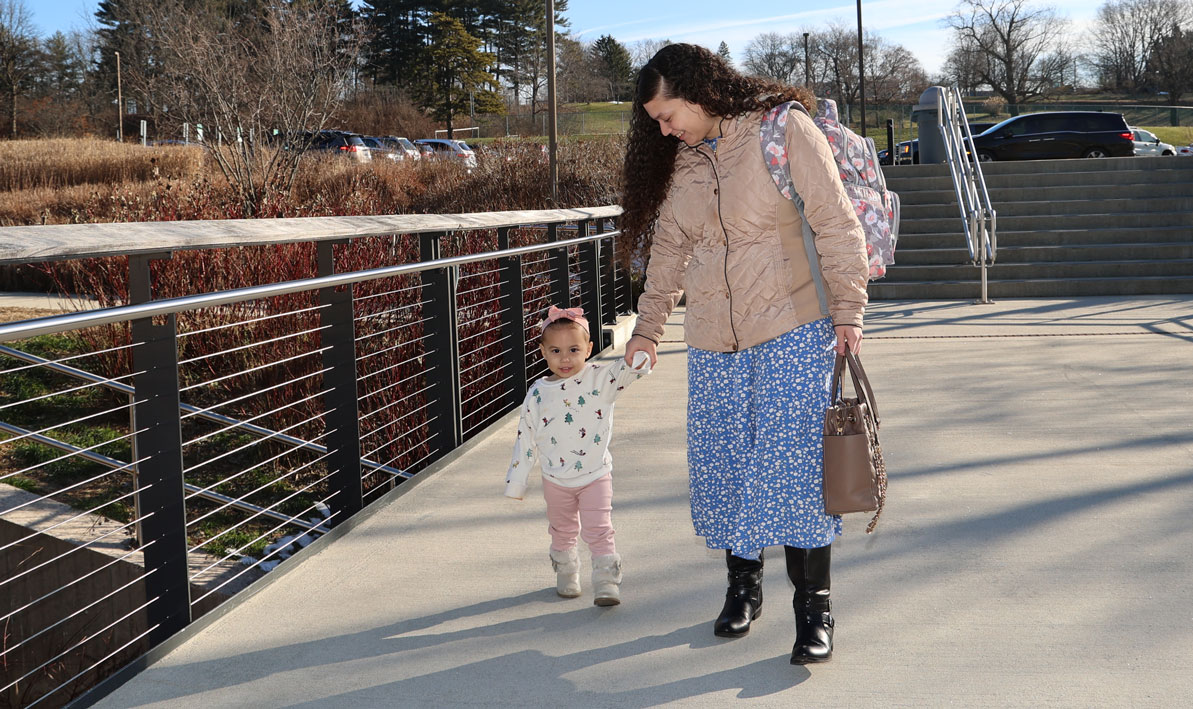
<point>854,472</point>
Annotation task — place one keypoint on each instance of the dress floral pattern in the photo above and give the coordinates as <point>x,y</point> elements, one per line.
<point>755,419</point>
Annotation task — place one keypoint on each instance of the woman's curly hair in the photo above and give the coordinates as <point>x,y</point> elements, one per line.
<point>695,74</point>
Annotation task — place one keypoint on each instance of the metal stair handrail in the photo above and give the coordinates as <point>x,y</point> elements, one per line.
<point>978,216</point>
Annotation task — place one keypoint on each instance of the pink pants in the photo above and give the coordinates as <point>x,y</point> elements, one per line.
<point>584,511</point>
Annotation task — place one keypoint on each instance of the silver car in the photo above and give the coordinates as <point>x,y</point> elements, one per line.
<point>1146,143</point>
<point>443,149</point>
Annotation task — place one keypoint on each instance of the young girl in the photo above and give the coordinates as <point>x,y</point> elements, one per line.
<point>567,419</point>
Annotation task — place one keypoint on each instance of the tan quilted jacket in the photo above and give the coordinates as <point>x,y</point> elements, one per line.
<point>737,247</point>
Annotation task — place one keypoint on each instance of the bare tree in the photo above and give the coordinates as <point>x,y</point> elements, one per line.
<point>254,82</point>
<point>642,51</point>
<point>1170,65</point>
<point>19,55</point>
<point>577,76</point>
<point>1125,34</point>
<point>963,66</point>
<point>1057,71</point>
<point>1010,38</point>
<point>779,57</point>
<point>893,74</point>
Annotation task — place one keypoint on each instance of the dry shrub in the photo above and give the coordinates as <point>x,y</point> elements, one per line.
<point>383,112</point>
<point>63,162</point>
<point>511,175</point>
<point>47,205</point>
<point>995,105</point>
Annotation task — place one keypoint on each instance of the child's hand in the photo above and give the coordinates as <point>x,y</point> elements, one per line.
<point>637,344</point>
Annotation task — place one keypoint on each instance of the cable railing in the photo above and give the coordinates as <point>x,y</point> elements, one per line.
<point>978,216</point>
<point>159,456</point>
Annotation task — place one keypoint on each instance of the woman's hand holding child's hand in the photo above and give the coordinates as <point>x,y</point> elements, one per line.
<point>638,344</point>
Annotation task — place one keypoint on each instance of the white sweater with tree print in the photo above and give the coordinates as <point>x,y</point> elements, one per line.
<point>566,425</point>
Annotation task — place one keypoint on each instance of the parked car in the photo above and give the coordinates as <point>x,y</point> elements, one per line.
<point>1185,150</point>
<point>1146,143</point>
<point>336,142</point>
<point>378,148</point>
<point>402,146</point>
<point>908,152</point>
<point>445,149</point>
<point>1059,134</point>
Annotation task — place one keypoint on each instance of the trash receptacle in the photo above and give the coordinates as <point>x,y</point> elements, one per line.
<point>927,115</point>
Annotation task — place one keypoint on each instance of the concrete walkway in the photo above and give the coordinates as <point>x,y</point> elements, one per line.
<point>1035,551</point>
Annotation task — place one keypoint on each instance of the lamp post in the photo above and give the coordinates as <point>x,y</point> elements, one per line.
<point>119,104</point>
<point>861,67</point>
<point>807,65</point>
<point>552,134</point>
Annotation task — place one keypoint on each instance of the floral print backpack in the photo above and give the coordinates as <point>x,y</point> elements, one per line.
<point>877,207</point>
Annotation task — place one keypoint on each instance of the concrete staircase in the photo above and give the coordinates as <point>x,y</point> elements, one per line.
<point>1118,226</point>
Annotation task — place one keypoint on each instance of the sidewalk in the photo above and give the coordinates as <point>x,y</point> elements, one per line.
<point>1035,551</point>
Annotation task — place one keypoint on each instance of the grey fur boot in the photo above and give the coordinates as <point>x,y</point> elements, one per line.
<point>567,572</point>
<point>606,579</point>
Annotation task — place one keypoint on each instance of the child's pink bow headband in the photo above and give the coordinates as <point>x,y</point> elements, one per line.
<point>576,315</point>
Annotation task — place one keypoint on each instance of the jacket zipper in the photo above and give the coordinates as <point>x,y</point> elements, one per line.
<point>725,233</point>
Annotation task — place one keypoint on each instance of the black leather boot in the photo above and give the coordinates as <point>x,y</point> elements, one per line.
<point>743,600</point>
<point>808,569</point>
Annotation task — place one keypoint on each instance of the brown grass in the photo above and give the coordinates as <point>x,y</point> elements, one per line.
<point>88,181</point>
<point>65,162</point>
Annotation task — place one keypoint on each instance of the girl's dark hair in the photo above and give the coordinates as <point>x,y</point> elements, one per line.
<point>695,74</point>
<point>565,323</point>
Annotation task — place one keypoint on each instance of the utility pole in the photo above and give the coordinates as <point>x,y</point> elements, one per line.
<point>119,104</point>
<point>861,67</point>
<point>552,137</point>
<point>807,65</point>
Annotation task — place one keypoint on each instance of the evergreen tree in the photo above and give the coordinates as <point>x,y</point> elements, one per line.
<point>615,66</point>
<point>723,51</point>
<point>452,67</point>
<point>399,34</point>
<point>63,70</point>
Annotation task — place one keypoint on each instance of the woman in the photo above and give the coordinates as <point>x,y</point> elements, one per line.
<point>766,308</point>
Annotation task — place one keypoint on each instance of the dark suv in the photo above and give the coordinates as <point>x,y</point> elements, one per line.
<point>336,142</point>
<point>908,152</point>
<point>1060,134</point>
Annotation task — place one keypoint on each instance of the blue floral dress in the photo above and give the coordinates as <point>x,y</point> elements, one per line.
<point>755,419</point>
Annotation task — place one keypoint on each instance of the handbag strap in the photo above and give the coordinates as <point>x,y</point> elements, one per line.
<point>861,383</point>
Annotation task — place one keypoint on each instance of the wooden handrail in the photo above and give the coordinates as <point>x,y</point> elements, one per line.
<point>26,244</point>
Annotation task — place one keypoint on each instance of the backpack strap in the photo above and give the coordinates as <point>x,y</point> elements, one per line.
<point>773,136</point>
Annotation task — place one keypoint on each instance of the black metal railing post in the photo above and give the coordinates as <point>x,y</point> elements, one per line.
<point>608,265</point>
<point>560,268</point>
<point>625,284</point>
<point>513,318</point>
<point>340,412</point>
<point>590,283</point>
<point>158,436</point>
<point>443,346</point>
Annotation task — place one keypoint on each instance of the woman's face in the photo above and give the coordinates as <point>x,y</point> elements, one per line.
<point>682,119</point>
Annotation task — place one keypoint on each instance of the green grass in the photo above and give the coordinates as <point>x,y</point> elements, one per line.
<point>23,483</point>
<point>1176,135</point>
<point>61,467</point>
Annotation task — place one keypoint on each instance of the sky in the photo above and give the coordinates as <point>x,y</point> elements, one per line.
<point>918,25</point>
